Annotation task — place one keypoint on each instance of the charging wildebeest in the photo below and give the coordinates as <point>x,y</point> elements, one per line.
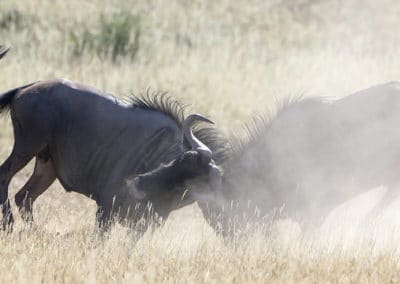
<point>122,156</point>
<point>313,155</point>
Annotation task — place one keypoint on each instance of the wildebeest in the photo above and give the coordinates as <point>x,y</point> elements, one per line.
<point>124,156</point>
<point>314,154</point>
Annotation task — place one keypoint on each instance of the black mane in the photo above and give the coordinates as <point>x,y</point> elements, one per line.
<point>162,102</point>
<point>259,124</point>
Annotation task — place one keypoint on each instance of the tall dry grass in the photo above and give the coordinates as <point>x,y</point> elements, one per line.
<point>229,60</point>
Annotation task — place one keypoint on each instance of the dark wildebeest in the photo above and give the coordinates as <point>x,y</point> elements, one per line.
<point>313,155</point>
<point>122,156</point>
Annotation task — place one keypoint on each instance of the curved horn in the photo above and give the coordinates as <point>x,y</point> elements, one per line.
<point>3,51</point>
<point>194,142</point>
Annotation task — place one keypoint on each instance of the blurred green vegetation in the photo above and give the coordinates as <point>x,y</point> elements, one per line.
<point>118,36</point>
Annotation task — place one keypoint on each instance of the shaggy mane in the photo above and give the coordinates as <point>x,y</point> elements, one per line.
<point>162,102</point>
<point>259,124</point>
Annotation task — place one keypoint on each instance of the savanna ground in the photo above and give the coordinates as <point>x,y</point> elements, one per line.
<point>229,60</point>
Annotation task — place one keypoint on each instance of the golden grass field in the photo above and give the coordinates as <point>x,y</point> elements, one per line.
<point>228,60</point>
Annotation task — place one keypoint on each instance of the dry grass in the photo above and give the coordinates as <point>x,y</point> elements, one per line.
<point>228,59</point>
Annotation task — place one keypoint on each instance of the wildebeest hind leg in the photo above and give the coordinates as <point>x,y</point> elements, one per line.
<point>42,177</point>
<point>15,162</point>
<point>29,142</point>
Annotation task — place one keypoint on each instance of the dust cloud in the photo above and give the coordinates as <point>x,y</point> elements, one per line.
<point>325,163</point>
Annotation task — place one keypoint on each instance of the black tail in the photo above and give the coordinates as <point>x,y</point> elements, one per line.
<point>7,97</point>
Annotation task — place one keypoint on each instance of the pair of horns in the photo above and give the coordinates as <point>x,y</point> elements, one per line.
<point>3,51</point>
<point>215,173</point>
<point>194,142</point>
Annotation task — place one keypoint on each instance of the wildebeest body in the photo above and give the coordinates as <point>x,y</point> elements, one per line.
<point>102,148</point>
<point>313,155</point>
<point>94,141</point>
<point>328,152</point>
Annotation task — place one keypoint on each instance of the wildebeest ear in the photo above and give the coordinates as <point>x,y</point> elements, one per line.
<point>132,184</point>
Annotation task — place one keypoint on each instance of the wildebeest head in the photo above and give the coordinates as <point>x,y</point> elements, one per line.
<point>167,185</point>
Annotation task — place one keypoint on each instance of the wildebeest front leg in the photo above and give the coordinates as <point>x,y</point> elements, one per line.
<point>219,219</point>
<point>42,177</point>
<point>104,217</point>
<point>142,218</point>
<point>8,169</point>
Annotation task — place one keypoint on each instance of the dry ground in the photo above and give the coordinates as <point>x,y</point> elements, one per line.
<point>229,60</point>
